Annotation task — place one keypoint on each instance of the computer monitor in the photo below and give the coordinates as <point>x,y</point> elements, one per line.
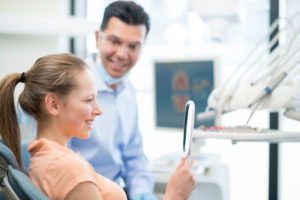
<point>176,82</point>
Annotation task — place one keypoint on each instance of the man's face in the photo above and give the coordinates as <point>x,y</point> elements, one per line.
<point>119,46</point>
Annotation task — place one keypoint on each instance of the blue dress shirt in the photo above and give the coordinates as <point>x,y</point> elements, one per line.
<point>115,146</point>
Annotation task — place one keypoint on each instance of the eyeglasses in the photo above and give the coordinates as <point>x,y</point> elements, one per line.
<point>115,43</point>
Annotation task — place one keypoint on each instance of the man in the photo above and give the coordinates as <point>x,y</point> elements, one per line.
<point>115,146</point>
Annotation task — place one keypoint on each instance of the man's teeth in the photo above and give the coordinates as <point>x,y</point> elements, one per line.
<point>119,65</point>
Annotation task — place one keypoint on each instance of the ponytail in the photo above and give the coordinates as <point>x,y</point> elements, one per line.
<point>9,126</point>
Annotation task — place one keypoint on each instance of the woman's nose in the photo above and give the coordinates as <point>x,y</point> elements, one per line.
<point>97,110</point>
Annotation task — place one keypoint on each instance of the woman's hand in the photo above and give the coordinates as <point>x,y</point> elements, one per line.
<point>182,182</point>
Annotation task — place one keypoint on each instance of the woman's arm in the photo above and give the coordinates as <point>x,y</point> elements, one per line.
<point>84,190</point>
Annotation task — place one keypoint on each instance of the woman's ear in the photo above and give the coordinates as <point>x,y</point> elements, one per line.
<point>51,104</point>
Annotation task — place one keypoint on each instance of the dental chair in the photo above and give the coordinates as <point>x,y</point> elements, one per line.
<point>14,182</point>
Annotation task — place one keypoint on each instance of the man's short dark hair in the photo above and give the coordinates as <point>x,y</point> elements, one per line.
<point>128,12</point>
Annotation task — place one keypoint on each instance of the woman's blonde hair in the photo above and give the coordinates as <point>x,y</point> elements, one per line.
<point>50,74</point>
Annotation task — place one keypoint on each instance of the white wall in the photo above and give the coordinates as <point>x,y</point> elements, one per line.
<point>18,51</point>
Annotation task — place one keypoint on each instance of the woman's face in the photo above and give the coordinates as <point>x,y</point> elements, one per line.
<point>80,108</point>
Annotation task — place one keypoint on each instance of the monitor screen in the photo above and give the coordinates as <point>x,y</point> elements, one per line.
<point>176,82</point>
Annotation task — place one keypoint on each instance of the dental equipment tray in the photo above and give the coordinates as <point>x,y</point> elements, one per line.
<point>246,134</point>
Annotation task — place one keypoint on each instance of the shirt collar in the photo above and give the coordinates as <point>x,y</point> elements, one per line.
<point>44,144</point>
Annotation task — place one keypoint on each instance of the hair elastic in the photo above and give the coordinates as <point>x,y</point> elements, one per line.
<point>22,79</point>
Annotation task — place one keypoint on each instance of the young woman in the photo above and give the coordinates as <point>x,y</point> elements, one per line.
<point>60,93</point>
